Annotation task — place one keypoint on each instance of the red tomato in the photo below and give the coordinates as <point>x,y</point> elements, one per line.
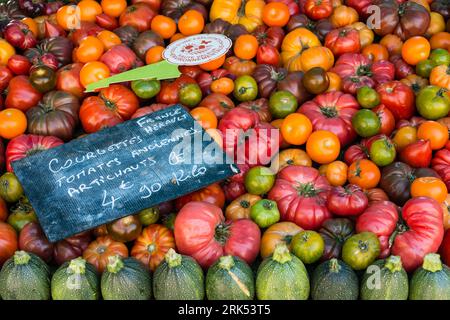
<point>202,233</point>
<point>5,77</point>
<point>420,231</point>
<point>332,111</point>
<point>343,40</point>
<point>120,58</point>
<point>387,119</point>
<point>112,106</point>
<point>445,248</point>
<point>417,154</point>
<point>398,98</point>
<point>301,194</point>
<point>8,242</point>
<point>138,15</point>
<point>318,9</point>
<point>68,79</point>
<point>18,64</point>
<point>347,201</point>
<point>267,54</point>
<point>27,144</point>
<point>21,94</point>
<point>212,194</point>
<point>441,164</point>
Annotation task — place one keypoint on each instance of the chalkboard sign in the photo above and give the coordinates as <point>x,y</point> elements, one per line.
<point>120,170</point>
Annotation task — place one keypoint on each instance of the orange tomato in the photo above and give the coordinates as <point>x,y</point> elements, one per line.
<point>275,14</point>
<point>114,8</point>
<point>415,49</point>
<point>68,17</point>
<point>430,187</point>
<point>440,40</point>
<point>154,54</point>
<point>335,82</point>
<point>323,146</point>
<point>191,22</point>
<point>109,39</point>
<point>296,128</point>
<point>364,173</point>
<point>90,49</point>
<point>176,36</point>
<point>435,132</point>
<point>343,16</point>
<point>216,135</point>
<point>376,52</point>
<point>205,117</point>
<point>392,43</point>
<point>13,123</point>
<point>89,9</point>
<point>404,136</point>
<point>32,25</point>
<point>164,26</point>
<point>222,85</point>
<point>92,72</point>
<point>316,57</point>
<point>290,157</point>
<point>6,51</point>
<point>335,172</point>
<point>246,46</point>
<point>213,64</point>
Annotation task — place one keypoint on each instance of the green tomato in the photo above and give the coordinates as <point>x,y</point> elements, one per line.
<point>308,246</point>
<point>367,97</point>
<point>282,104</point>
<point>265,213</point>
<point>382,152</point>
<point>360,250</point>
<point>10,188</point>
<point>245,88</point>
<point>149,216</point>
<point>168,220</point>
<point>424,67</point>
<point>259,180</point>
<point>146,89</point>
<point>440,56</point>
<point>433,103</point>
<point>190,95</point>
<point>366,123</point>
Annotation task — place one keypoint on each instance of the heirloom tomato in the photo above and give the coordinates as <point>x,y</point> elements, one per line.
<point>398,98</point>
<point>281,232</point>
<point>151,246</point>
<point>261,106</point>
<point>382,151</point>
<point>112,106</point>
<point>138,15</point>
<point>264,213</point>
<point>419,231</point>
<point>289,157</point>
<point>8,242</point>
<point>245,88</point>
<point>364,173</point>
<point>417,154</point>
<point>32,239</point>
<point>98,252</point>
<point>335,172</point>
<point>415,50</point>
<point>332,111</point>
<point>13,123</point>
<point>212,194</point>
<point>347,201</point>
<point>21,94</point>
<point>125,229</point>
<point>19,65</point>
<point>68,79</point>
<point>93,72</point>
<point>323,146</point>
<point>282,103</point>
<point>360,250</point>
<point>202,233</point>
<point>296,128</point>
<point>441,163</point>
<point>149,216</point>
<point>429,187</point>
<point>334,233</point>
<point>247,13</point>
<point>71,248</point>
<point>316,80</point>
<point>343,16</point>
<point>10,188</point>
<point>301,193</point>
<point>440,76</point>
<point>295,43</point>
<point>240,207</point>
<point>120,58</point>
<point>308,246</point>
<point>435,132</point>
<point>386,118</point>
<point>259,180</point>
<point>343,40</point>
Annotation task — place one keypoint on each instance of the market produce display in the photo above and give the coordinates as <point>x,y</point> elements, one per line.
<point>337,119</point>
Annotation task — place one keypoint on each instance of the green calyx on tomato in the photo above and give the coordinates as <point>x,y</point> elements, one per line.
<point>245,88</point>
<point>190,95</point>
<point>382,152</point>
<point>282,103</point>
<point>366,123</point>
<point>259,180</point>
<point>10,188</point>
<point>308,246</point>
<point>265,213</point>
<point>433,102</point>
<point>360,250</point>
<point>367,97</point>
<point>146,89</point>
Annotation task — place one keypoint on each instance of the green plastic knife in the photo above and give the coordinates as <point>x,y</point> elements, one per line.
<point>159,71</point>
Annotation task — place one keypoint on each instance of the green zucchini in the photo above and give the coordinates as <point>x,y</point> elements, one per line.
<point>230,278</point>
<point>431,281</point>
<point>178,277</point>
<point>125,279</point>
<point>385,280</point>
<point>25,276</point>
<point>75,280</point>
<point>334,280</point>
<point>282,276</point>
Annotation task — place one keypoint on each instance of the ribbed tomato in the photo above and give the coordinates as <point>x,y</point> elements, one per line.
<point>202,233</point>
<point>99,250</point>
<point>212,194</point>
<point>301,194</point>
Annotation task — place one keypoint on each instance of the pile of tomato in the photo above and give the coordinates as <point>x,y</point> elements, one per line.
<point>359,98</point>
